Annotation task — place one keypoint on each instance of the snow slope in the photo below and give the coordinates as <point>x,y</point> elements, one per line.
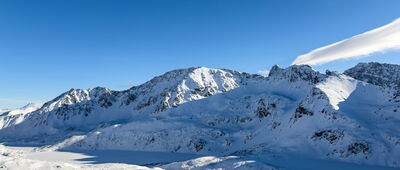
<point>31,158</point>
<point>17,159</point>
<point>30,107</point>
<point>294,112</point>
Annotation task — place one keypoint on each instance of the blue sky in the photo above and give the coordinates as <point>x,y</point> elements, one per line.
<point>49,47</point>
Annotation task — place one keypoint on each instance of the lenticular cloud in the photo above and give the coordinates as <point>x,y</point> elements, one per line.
<point>377,40</point>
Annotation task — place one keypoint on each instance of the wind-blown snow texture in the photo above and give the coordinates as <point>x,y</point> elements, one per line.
<point>351,117</point>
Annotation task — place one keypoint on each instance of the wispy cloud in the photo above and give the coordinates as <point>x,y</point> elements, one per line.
<point>377,40</point>
<point>15,100</point>
<point>263,72</point>
<point>127,86</point>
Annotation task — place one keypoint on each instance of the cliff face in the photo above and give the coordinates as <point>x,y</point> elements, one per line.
<point>385,75</point>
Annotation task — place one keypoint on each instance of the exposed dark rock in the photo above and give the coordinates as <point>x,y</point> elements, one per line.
<point>332,136</point>
<point>358,147</point>
<point>197,144</point>
<point>275,125</point>
<point>262,109</point>
<point>297,73</point>
<point>301,111</point>
<point>385,75</point>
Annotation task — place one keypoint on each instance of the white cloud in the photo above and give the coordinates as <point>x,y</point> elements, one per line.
<point>127,86</point>
<point>377,40</point>
<point>14,100</point>
<point>263,72</point>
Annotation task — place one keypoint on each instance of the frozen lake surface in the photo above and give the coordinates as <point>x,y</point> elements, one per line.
<point>111,156</point>
<point>19,157</point>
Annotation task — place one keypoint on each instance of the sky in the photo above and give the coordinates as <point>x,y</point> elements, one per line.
<point>49,47</point>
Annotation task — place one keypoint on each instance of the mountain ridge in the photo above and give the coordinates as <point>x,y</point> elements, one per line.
<point>160,93</point>
<point>224,112</point>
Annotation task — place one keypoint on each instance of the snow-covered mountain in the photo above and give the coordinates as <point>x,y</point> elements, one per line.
<point>30,107</point>
<point>386,75</point>
<point>351,117</point>
<point>4,111</point>
<point>85,110</point>
<point>383,75</point>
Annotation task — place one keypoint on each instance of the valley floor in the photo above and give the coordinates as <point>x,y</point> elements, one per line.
<point>29,157</point>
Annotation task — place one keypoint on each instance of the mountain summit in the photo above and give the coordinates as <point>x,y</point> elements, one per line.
<point>386,75</point>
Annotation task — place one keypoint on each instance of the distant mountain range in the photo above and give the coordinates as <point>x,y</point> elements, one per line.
<point>351,117</point>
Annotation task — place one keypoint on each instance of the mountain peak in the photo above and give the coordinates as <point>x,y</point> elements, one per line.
<point>179,86</point>
<point>30,107</point>
<point>296,73</point>
<point>381,74</point>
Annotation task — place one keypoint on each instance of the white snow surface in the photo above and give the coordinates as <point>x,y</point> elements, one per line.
<point>30,107</point>
<point>230,119</point>
<point>4,111</point>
